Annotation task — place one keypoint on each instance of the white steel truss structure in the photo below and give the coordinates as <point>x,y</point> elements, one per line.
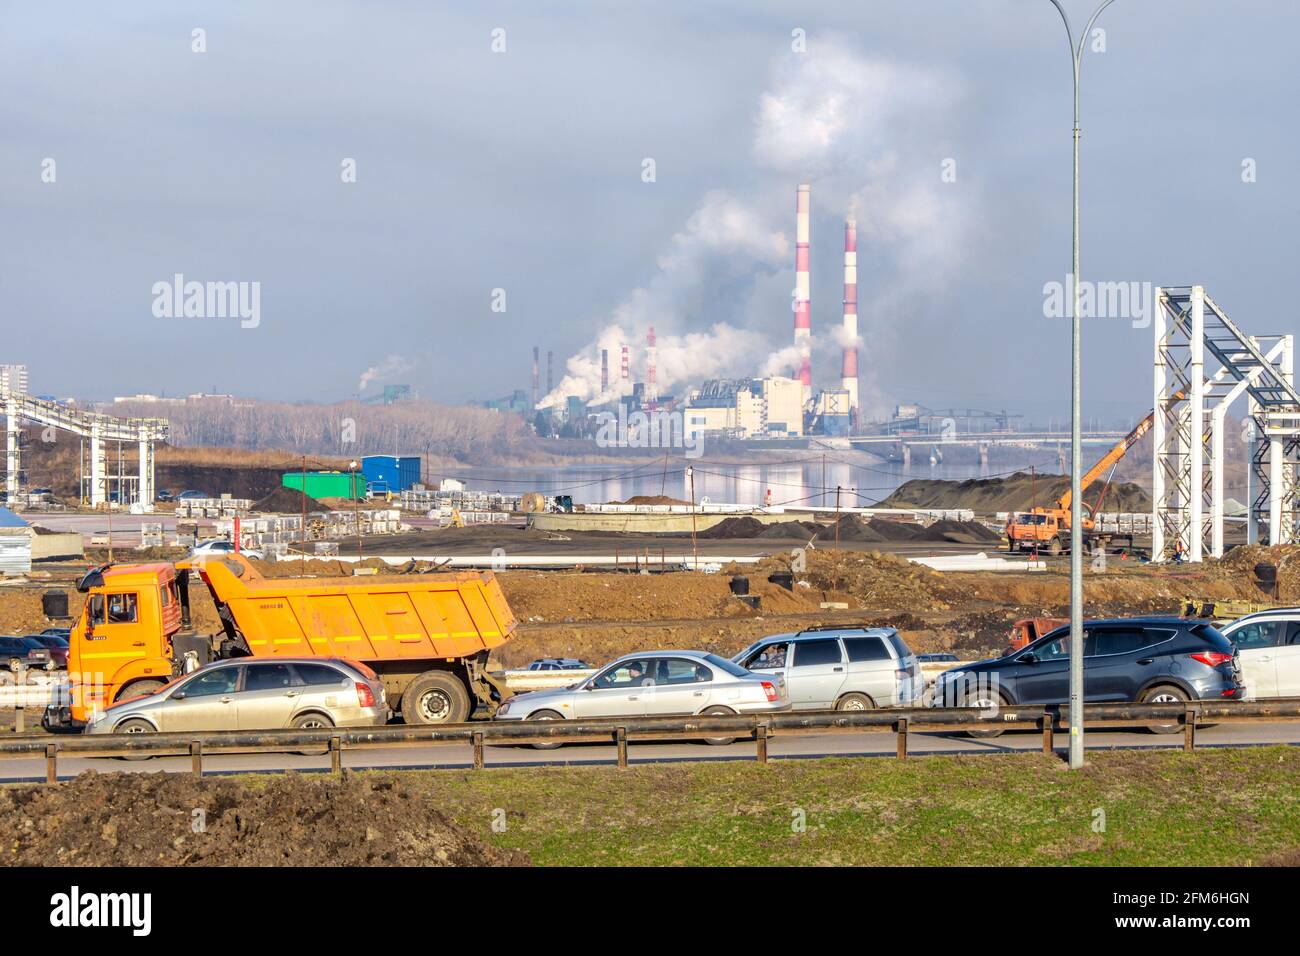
<point>96,430</point>
<point>1203,364</point>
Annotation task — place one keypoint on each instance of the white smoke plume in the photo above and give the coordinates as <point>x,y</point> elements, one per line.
<point>390,367</point>
<point>854,127</point>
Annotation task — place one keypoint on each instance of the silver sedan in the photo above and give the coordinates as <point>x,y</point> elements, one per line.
<point>255,694</point>
<point>656,683</point>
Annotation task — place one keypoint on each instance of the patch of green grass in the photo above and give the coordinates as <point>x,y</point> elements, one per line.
<point>1220,807</point>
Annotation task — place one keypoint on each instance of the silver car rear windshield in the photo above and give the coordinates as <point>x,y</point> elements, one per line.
<point>722,664</point>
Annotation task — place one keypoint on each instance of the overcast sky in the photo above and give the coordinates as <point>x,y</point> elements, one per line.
<point>524,170</point>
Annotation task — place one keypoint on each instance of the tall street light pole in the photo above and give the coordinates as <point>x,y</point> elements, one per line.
<point>1076,442</point>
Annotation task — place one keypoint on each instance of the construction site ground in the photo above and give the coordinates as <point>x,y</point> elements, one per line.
<point>597,615</point>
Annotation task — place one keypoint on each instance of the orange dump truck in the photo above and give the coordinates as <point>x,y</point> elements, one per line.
<point>427,636</point>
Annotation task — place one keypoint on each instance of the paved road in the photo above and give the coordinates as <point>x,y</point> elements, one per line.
<point>795,747</point>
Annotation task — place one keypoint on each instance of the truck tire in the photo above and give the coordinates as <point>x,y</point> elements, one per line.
<point>435,697</point>
<point>1054,547</point>
<point>139,688</point>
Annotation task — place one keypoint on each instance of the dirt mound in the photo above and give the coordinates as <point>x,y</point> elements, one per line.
<point>1242,560</point>
<point>798,530</point>
<point>1017,492</point>
<point>872,579</point>
<point>148,819</point>
<point>740,526</point>
<point>960,532</point>
<point>287,501</point>
<point>651,500</point>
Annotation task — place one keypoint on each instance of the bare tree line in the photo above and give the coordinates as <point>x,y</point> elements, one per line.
<point>463,433</point>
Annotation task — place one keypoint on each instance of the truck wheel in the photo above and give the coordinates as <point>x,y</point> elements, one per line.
<point>138,689</point>
<point>1054,547</point>
<point>435,697</point>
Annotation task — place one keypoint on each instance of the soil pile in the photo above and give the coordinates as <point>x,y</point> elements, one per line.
<point>147,819</point>
<point>287,501</point>
<point>651,500</point>
<point>873,579</point>
<point>1242,560</point>
<point>960,532</point>
<point>740,526</point>
<point>796,530</point>
<point>1018,492</point>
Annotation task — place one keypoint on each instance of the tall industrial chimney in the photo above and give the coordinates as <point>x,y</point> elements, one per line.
<point>802,303</point>
<point>651,354</point>
<point>624,368</point>
<point>550,371</point>
<point>537,375</point>
<point>849,368</point>
<point>604,371</point>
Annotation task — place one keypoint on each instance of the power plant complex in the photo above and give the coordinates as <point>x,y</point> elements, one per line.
<point>777,406</point>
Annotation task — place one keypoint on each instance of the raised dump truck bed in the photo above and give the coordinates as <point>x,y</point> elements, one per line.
<point>419,632</point>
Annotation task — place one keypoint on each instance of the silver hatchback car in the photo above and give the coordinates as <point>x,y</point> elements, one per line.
<point>654,683</point>
<point>841,668</point>
<point>255,694</point>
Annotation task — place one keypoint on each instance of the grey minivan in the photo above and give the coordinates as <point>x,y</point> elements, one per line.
<point>841,668</point>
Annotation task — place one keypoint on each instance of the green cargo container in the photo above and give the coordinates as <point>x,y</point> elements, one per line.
<point>327,484</point>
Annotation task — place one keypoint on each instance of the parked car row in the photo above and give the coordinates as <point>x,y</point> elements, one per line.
<point>47,650</point>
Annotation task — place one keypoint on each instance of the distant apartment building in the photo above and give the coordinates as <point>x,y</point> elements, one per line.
<point>13,378</point>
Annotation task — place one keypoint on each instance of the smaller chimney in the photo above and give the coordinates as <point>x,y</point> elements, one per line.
<point>537,376</point>
<point>625,375</point>
<point>651,354</point>
<point>604,371</point>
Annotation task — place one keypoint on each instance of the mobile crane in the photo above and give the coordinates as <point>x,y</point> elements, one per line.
<point>1048,529</point>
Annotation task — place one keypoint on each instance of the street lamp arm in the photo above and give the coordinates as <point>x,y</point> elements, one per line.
<point>1069,36</point>
<point>1078,60</point>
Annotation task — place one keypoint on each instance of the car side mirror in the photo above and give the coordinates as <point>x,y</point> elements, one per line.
<point>1027,658</point>
<point>179,695</point>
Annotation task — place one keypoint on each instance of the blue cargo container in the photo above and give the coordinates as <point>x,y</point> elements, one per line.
<point>390,473</point>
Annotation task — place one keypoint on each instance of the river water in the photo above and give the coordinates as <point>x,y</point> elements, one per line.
<point>806,481</point>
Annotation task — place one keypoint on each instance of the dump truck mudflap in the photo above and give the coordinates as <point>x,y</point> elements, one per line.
<point>490,689</point>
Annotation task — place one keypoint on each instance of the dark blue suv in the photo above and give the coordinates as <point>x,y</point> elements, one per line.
<point>1151,660</point>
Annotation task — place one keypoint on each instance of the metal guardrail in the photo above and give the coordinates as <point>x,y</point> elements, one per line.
<point>622,731</point>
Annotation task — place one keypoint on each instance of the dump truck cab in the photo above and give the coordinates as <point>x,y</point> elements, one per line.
<point>121,645</point>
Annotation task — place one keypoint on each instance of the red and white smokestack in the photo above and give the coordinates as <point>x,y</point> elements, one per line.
<point>625,375</point>
<point>651,355</point>
<point>604,371</point>
<point>849,369</point>
<point>537,374</point>
<point>802,288</point>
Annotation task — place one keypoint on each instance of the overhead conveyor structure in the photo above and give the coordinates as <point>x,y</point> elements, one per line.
<point>1204,363</point>
<point>96,430</point>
